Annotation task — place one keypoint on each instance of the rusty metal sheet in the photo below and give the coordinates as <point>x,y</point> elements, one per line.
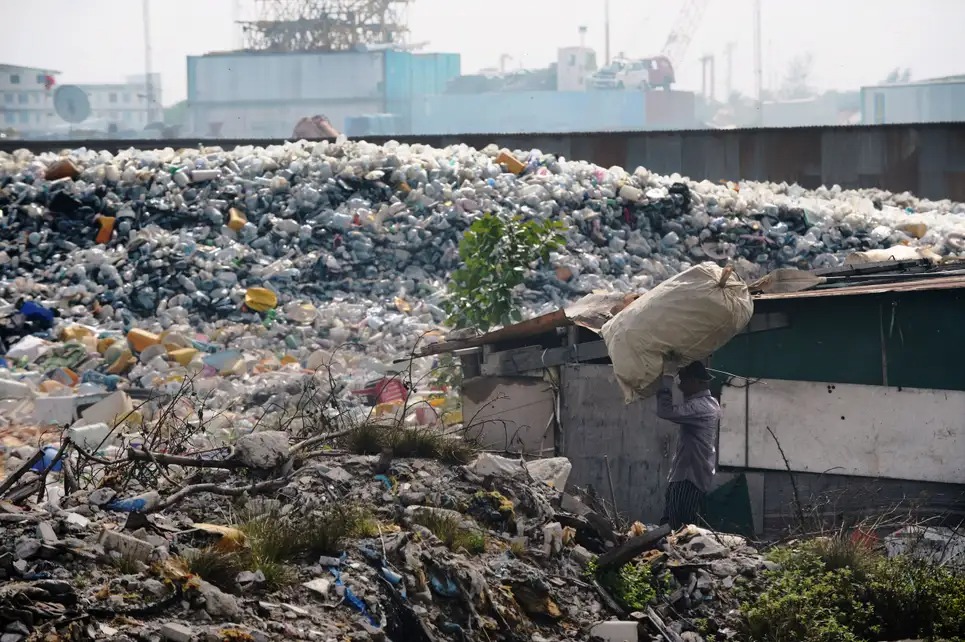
<point>948,283</point>
<point>528,328</point>
<point>592,311</point>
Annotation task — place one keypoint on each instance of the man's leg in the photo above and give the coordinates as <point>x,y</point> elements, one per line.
<point>665,519</point>
<point>684,503</point>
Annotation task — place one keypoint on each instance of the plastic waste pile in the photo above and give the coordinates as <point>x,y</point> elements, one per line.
<point>497,549</point>
<point>357,238</point>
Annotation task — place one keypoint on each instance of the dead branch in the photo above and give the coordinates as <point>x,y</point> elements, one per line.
<point>227,491</point>
<point>317,439</point>
<point>134,454</point>
<point>787,464</point>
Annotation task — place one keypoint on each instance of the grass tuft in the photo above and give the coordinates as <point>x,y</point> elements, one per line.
<point>451,532</point>
<point>218,567</point>
<point>371,438</point>
<point>275,540</point>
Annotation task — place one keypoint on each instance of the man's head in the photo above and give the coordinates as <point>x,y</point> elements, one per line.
<point>693,378</point>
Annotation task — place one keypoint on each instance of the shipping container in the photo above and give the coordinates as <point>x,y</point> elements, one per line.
<point>529,112</point>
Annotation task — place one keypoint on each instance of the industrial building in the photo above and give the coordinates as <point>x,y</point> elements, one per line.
<point>940,100</point>
<point>26,98</point>
<point>263,94</point>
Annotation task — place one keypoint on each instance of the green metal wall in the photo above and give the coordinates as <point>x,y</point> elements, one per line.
<point>908,339</point>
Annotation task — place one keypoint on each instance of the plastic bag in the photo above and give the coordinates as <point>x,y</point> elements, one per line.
<point>689,316</point>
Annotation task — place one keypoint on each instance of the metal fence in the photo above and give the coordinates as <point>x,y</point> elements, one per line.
<point>926,159</point>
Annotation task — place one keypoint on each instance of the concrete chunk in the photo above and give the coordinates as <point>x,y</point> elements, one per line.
<point>176,632</point>
<point>127,546</point>
<point>616,631</point>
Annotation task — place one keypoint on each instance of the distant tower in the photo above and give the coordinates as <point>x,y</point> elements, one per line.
<point>326,25</point>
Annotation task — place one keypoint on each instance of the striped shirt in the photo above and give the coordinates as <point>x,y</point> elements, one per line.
<point>699,417</point>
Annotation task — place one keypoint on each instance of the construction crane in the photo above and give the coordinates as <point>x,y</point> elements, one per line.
<point>682,33</point>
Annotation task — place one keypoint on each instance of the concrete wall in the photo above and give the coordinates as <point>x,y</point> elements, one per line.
<point>865,431</point>
<point>513,414</point>
<point>597,428</point>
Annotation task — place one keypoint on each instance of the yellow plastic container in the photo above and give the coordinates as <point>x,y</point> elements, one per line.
<point>236,219</point>
<point>140,339</point>
<point>260,299</point>
<point>288,359</point>
<point>183,355</point>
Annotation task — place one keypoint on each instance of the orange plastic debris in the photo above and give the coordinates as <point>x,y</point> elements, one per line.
<point>510,161</point>
<point>107,229</point>
<point>236,219</point>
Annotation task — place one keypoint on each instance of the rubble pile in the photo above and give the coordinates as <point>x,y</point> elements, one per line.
<point>492,550</point>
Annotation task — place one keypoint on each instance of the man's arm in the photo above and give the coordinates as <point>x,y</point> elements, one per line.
<point>665,408</point>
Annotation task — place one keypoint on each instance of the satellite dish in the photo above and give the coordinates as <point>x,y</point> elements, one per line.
<point>71,103</point>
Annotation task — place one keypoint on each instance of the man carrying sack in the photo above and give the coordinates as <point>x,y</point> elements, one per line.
<point>694,463</point>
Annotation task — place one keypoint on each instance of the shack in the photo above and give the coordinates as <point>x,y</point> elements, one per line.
<point>841,401</point>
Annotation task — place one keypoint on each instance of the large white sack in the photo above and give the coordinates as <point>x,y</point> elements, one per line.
<point>689,315</point>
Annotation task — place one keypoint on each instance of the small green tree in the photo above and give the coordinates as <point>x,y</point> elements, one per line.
<point>496,253</point>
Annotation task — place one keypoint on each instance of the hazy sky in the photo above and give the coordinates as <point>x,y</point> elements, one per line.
<point>853,42</point>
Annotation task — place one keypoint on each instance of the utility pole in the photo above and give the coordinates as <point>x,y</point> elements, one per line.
<point>148,75</point>
<point>708,89</point>
<point>606,18</point>
<point>758,63</point>
<point>729,55</point>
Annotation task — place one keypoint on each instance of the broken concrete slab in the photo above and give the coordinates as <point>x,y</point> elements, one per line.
<point>27,548</point>
<point>128,547</point>
<point>47,534</point>
<point>321,586</point>
<point>616,631</point>
<point>262,450</point>
<point>217,603</point>
<point>176,632</point>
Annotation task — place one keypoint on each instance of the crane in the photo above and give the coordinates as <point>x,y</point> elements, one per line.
<point>682,33</point>
<point>657,71</point>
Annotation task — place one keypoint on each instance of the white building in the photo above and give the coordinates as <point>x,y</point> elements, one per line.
<point>27,102</point>
<point>125,105</point>
<point>573,66</point>
<point>26,98</point>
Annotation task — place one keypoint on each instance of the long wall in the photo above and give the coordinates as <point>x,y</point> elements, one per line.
<point>928,159</point>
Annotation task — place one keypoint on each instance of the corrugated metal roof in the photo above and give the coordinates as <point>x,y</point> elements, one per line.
<point>909,285</point>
